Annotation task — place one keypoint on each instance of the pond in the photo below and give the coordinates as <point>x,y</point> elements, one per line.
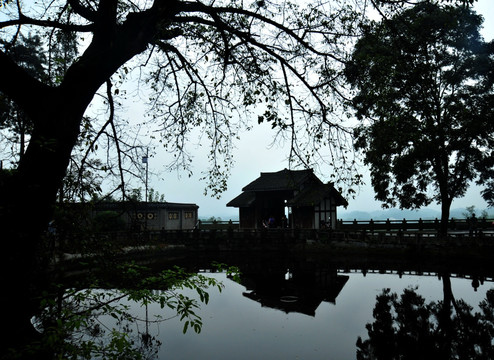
<point>302,310</point>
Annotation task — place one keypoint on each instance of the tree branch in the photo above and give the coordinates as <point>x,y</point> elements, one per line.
<point>84,11</point>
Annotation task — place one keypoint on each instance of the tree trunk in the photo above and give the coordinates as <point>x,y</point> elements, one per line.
<point>445,208</point>
<point>27,198</point>
<point>27,194</point>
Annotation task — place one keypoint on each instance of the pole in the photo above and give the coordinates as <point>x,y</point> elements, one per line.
<point>147,168</point>
<point>145,159</point>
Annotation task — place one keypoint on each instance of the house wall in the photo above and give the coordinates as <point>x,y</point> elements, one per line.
<point>142,219</point>
<point>334,217</point>
<point>247,217</point>
<point>270,204</point>
<point>178,219</point>
<point>317,217</point>
<point>325,214</point>
<point>157,218</point>
<point>303,217</point>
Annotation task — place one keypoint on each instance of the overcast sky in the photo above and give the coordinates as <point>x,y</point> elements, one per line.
<point>253,156</point>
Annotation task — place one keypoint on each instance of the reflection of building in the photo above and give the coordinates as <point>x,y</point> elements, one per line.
<point>297,291</point>
<point>308,202</point>
<point>152,215</point>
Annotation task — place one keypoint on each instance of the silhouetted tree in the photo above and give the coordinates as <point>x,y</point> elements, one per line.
<point>424,94</point>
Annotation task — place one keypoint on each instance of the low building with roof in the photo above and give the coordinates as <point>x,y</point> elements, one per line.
<point>288,198</point>
<point>151,215</point>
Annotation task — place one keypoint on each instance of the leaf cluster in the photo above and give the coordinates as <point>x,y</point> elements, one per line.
<point>424,97</point>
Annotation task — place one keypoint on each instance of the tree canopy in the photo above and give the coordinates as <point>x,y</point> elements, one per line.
<point>208,66</point>
<point>424,95</point>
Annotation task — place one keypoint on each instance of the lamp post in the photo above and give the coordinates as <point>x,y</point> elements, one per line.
<point>145,161</point>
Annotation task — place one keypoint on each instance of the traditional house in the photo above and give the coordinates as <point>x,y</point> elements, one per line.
<point>288,198</point>
<point>151,215</point>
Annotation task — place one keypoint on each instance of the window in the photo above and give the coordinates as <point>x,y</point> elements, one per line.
<point>173,215</point>
<point>189,214</point>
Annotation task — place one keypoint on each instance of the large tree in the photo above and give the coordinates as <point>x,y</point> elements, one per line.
<point>206,63</point>
<point>424,95</point>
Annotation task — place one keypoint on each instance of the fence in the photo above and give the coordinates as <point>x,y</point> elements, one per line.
<point>375,225</point>
<point>415,225</point>
<point>218,225</point>
<point>279,239</point>
<point>222,235</point>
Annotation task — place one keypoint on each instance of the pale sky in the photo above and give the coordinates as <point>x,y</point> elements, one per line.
<point>252,157</point>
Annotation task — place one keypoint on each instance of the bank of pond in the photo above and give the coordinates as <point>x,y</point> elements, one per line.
<point>459,244</point>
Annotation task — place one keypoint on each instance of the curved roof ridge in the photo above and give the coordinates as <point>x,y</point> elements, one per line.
<point>280,180</point>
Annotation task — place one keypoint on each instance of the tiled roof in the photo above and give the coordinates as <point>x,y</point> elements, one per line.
<point>308,189</point>
<point>281,180</point>
<point>245,199</point>
<point>312,195</point>
<point>141,205</point>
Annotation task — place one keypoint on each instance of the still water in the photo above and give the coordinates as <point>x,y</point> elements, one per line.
<point>301,313</point>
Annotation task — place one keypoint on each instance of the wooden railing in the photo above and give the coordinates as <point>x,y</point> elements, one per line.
<point>410,225</point>
<point>482,241</point>
<point>375,225</point>
<point>218,225</point>
<point>370,231</point>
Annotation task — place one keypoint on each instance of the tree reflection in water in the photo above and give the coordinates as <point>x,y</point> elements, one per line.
<point>406,327</point>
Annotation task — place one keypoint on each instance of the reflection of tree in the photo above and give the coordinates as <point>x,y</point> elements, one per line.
<point>102,320</point>
<point>406,327</point>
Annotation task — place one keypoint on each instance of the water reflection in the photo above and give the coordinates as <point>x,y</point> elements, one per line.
<point>300,308</point>
<point>408,327</point>
<point>307,309</point>
<point>294,290</point>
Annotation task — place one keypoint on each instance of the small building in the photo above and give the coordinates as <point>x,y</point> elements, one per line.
<point>288,198</point>
<point>151,215</point>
